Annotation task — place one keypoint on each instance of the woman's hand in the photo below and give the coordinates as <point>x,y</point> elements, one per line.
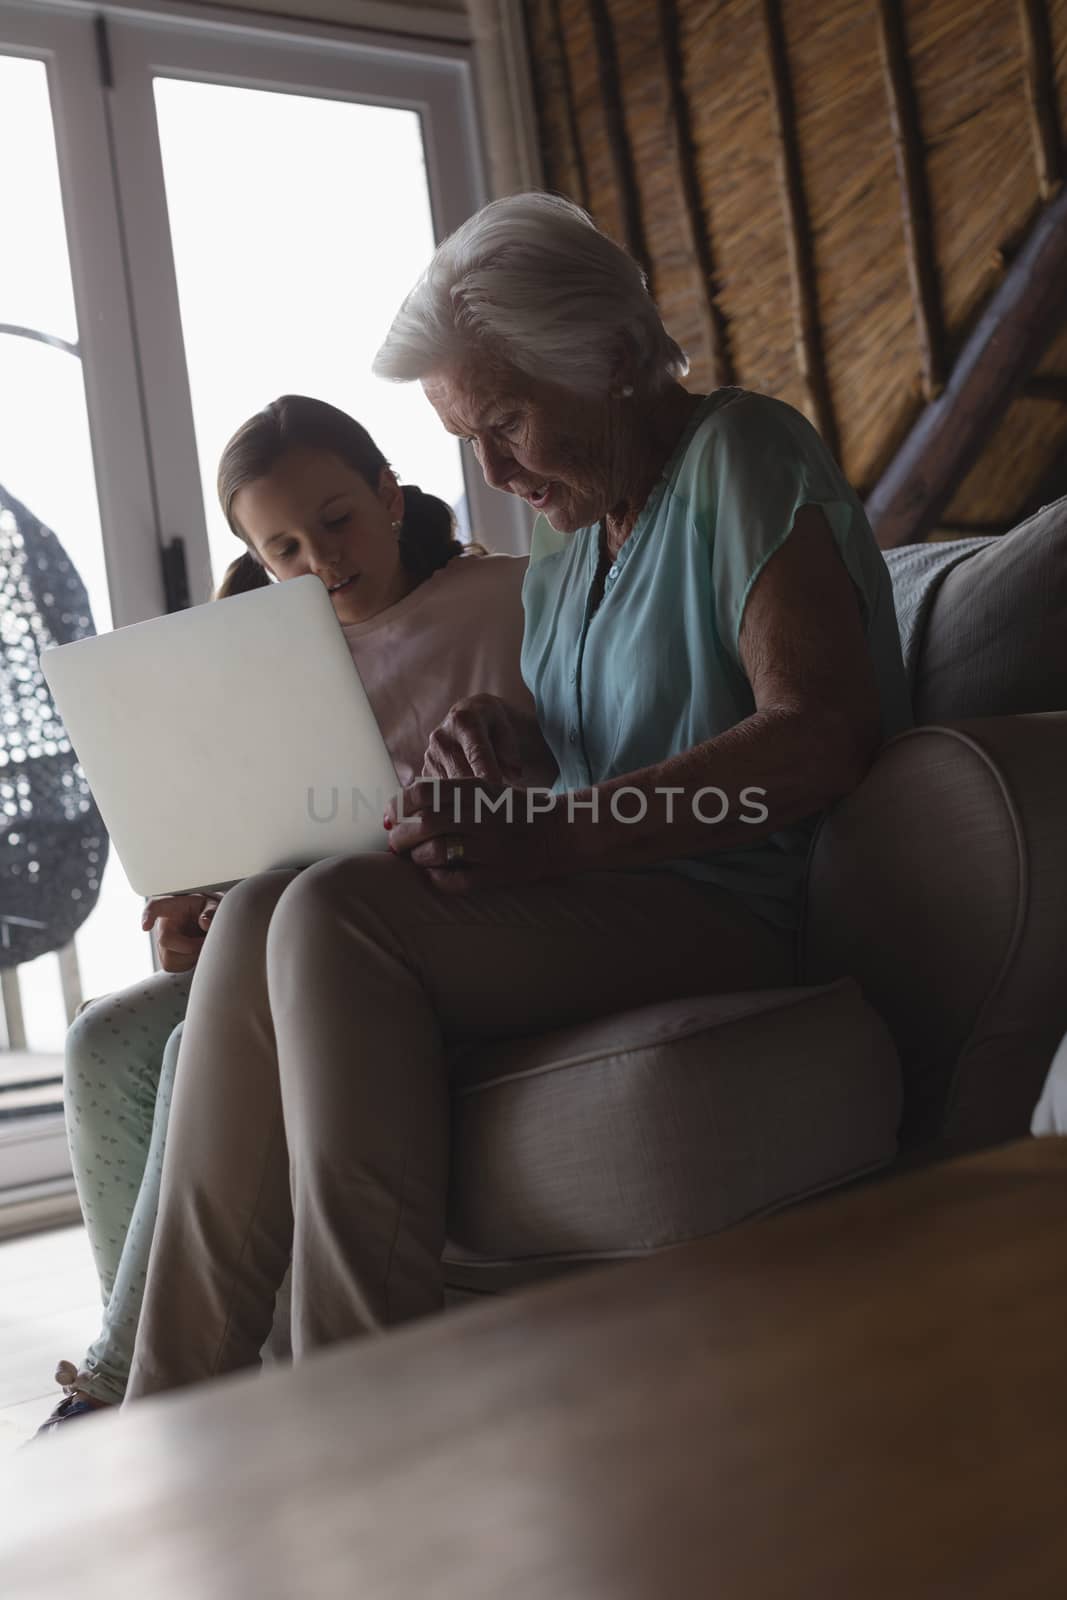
<point>467,833</point>
<point>484,737</point>
<point>181,923</point>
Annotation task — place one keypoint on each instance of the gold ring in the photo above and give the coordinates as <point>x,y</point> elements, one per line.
<point>453,851</point>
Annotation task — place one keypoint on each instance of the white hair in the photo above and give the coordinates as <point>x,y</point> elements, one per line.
<point>530,281</point>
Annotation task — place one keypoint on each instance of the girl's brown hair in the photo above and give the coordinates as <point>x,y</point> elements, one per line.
<point>427,539</point>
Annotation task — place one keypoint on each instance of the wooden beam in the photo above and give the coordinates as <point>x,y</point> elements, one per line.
<point>569,109</point>
<point>1051,486</point>
<point>1047,386</point>
<point>1041,96</point>
<point>973,530</point>
<point>808,336</point>
<point>1013,333</point>
<point>622,157</point>
<point>536,25</point>
<point>696,217</point>
<point>914,196</point>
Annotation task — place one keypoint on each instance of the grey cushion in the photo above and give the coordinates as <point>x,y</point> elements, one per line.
<point>996,632</point>
<point>658,1125</point>
<point>939,885</point>
<point>918,571</point>
<point>1050,1113</point>
<point>643,1129</point>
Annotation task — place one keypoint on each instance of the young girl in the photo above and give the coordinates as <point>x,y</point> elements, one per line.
<point>428,622</point>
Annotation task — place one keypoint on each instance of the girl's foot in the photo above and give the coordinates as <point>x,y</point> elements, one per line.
<point>75,1402</point>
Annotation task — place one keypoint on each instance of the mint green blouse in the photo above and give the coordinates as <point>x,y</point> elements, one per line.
<point>656,670</point>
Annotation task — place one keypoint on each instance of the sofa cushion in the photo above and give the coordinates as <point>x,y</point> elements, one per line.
<point>658,1125</point>
<point>996,633</point>
<point>1050,1113</point>
<point>938,885</point>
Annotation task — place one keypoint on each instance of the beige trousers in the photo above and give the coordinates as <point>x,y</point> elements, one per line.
<point>311,1104</point>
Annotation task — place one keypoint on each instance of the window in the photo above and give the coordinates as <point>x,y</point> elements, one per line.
<point>302,292</point>
<point>46,465</point>
<point>208,215</point>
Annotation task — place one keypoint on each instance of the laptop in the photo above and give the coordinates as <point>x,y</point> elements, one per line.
<point>226,739</point>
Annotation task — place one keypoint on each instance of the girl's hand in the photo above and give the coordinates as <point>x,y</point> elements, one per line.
<point>484,737</point>
<point>467,833</point>
<point>181,923</point>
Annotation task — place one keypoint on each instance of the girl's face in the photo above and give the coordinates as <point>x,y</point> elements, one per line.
<point>314,514</point>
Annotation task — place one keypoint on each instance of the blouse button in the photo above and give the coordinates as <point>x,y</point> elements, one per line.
<point>573,736</point>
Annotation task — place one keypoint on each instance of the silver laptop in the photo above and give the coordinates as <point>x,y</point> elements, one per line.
<point>227,739</point>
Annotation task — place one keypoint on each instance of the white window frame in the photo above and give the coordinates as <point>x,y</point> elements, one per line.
<point>434,82</point>
<point>140,410</point>
<point>66,42</point>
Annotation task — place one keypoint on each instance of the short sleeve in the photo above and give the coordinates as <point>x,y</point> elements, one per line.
<point>758,462</point>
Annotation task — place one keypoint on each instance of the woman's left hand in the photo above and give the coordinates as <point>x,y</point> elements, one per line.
<point>469,834</point>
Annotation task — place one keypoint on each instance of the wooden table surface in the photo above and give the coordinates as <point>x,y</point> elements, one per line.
<point>864,1398</point>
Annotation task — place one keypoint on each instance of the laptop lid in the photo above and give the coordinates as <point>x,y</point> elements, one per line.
<point>226,739</point>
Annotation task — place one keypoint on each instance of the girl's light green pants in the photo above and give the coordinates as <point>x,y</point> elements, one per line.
<point>120,1057</point>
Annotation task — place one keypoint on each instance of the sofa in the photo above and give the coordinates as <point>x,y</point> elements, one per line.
<point>930,996</point>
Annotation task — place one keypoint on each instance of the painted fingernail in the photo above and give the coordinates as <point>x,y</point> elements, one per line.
<point>388,823</point>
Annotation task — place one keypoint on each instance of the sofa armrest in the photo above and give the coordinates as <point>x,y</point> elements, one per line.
<point>940,884</point>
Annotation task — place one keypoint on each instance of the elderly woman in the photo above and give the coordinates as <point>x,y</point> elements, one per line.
<point>712,649</point>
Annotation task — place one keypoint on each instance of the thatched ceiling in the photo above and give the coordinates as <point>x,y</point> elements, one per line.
<point>675,122</point>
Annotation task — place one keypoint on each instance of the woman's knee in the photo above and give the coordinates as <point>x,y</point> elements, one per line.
<point>245,911</point>
<point>365,889</point>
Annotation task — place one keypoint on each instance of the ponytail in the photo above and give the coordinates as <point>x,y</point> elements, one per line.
<point>242,575</point>
<point>427,535</point>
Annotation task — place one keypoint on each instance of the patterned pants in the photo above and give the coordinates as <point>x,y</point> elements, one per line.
<point>120,1058</point>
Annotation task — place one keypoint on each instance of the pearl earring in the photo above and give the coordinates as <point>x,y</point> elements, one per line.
<point>397,526</point>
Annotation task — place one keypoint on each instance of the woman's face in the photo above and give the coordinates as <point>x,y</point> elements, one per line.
<point>314,514</point>
<point>555,449</point>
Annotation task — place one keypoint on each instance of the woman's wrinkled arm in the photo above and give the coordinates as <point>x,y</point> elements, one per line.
<point>813,735</point>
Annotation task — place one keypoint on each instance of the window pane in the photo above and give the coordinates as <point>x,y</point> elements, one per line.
<point>297,225</point>
<point>46,463</point>
<point>34,270</point>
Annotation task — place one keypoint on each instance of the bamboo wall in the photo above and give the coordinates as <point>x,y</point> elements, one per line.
<point>824,193</point>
